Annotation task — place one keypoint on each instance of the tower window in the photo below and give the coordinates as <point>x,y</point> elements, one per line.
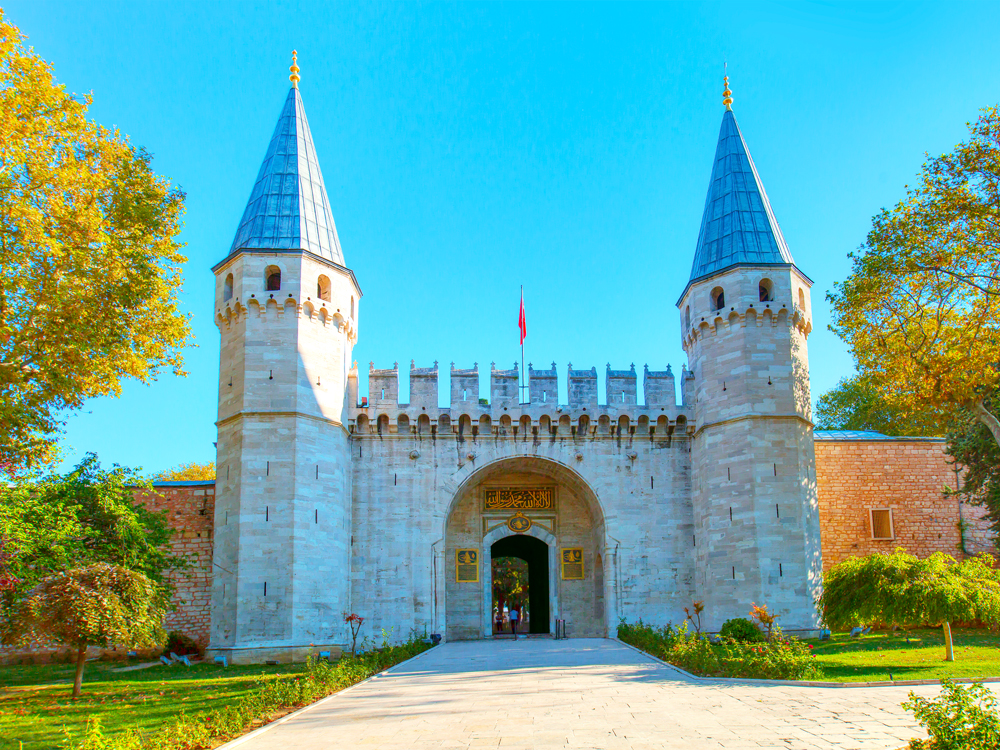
<point>687,317</point>
<point>227,289</point>
<point>718,298</point>
<point>323,288</point>
<point>802,300</point>
<point>272,279</point>
<point>352,307</point>
<point>766,290</point>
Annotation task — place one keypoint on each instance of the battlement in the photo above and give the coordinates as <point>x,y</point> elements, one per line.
<point>504,406</point>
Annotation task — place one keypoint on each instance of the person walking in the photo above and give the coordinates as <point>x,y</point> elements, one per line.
<point>515,615</point>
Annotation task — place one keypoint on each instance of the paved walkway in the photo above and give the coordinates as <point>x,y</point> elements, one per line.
<point>585,693</point>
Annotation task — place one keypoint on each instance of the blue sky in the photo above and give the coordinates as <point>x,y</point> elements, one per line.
<point>468,149</point>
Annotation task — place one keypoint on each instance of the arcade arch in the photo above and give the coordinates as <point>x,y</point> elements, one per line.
<point>528,496</point>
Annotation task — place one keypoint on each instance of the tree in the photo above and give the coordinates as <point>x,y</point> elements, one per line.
<point>89,260</point>
<point>510,579</point>
<point>87,516</point>
<point>191,472</point>
<point>901,589</point>
<point>97,605</point>
<point>856,404</point>
<point>972,447</point>
<point>921,308</point>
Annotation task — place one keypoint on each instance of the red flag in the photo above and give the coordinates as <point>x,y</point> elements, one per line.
<point>520,319</point>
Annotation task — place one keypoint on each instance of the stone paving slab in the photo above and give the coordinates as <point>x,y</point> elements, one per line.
<point>585,693</point>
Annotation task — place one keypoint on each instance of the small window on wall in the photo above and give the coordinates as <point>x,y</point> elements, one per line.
<point>765,290</point>
<point>572,563</point>
<point>467,565</point>
<point>802,300</point>
<point>718,298</point>
<point>882,526</point>
<point>323,288</point>
<point>272,279</point>
<point>227,289</point>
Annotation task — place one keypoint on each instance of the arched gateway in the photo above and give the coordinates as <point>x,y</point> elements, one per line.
<point>539,511</point>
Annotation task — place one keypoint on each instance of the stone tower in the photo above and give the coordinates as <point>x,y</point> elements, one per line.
<point>745,317</point>
<point>287,309</point>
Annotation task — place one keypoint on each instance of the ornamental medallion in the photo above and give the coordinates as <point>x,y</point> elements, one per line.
<point>518,523</point>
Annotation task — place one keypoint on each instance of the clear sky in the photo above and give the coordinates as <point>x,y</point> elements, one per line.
<point>468,149</point>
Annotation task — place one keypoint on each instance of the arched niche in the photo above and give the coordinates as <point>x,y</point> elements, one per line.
<point>576,522</point>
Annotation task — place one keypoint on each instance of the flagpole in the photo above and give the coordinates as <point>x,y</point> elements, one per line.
<point>521,389</point>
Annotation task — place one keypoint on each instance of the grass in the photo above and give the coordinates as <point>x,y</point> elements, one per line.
<point>35,703</point>
<point>874,657</point>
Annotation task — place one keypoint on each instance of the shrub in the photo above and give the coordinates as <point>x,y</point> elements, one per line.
<point>742,630</point>
<point>961,718</point>
<point>180,644</point>
<point>780,659</point>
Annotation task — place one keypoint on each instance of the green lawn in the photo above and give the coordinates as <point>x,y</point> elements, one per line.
<point>875,656</point>
<point>35,701</point>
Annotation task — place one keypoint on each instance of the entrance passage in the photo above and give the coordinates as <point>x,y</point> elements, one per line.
<point>535,553</point>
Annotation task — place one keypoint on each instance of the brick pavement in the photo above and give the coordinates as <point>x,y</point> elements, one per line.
<point>585,693</point>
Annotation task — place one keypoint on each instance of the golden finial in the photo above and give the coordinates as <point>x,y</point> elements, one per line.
<point>727,95</point>
<point>294,77</point>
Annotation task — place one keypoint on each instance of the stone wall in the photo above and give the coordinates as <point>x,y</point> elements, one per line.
<point>905,475</point>
<point>190,508</point>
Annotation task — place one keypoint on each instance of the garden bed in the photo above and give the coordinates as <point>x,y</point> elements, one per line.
<point>168,707</point>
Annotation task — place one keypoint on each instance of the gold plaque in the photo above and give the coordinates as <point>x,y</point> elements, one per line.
<point>518,523</point>
<point>467,565</point>
<point>572,563</point>
<point>520,498</point>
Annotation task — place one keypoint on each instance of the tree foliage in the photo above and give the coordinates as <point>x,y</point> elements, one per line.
<point>972,447</point>
<point>85,517</point>
<point>191,472</point>
<point>901,589</point>
<point>89,260</point>
<point>96,605</point>
<point>856,404</point>
<point>921,307</point>
<point>510,580</point>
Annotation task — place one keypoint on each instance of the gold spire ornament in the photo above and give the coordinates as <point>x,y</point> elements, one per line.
<point>294,77</point>
<point>727,95</point>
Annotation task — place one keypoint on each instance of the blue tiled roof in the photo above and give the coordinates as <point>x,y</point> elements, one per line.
<point>869,435</point>
<point>738,225</point>
<point>288,208</point>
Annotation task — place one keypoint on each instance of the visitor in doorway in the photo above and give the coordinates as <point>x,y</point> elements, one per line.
<point>514,616</point>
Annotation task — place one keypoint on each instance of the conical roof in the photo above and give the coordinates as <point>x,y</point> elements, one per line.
<point>738,226</point>
<point>288,208</point>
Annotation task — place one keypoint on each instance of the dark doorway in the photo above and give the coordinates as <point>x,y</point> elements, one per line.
<point>535,553</point>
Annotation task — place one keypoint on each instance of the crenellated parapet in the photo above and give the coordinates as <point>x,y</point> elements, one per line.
<point>762,297</point>
<point>763,316</point>
<point>503,415</point>
<point>275,308</point>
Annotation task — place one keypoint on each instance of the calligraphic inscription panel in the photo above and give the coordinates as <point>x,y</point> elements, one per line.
<point>520,498</point>
<point>467,565</point>
<point>572,563</point>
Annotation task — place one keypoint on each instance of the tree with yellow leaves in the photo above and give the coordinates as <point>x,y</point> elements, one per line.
<point>921,308</point>
<point>89,258</point>
<point>187,472</point>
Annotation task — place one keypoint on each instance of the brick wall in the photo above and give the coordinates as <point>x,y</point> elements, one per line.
<point>190,508</point>
<point>906,476</point>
